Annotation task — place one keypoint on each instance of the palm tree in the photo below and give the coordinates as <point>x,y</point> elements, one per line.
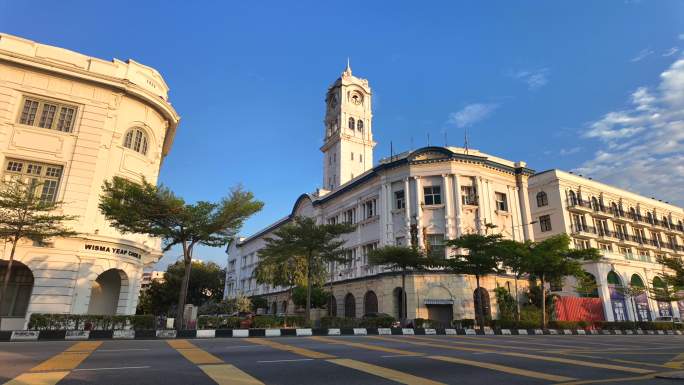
<point>400,258</point>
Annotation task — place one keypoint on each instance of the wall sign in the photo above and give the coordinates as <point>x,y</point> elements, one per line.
<point>112,250</point>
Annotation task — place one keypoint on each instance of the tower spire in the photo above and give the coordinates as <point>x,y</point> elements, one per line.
<point>348,70</point>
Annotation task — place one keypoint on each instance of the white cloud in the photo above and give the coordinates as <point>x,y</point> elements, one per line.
<point>671,51</point>
<point>643,54</point>
<point>643,145</point>
<point>569,151</point>
<point>681,36</point>
<point>535,79</point>
<point>471,114</point>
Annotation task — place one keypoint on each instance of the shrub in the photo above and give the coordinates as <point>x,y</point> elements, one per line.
<point>42,321</point>
<point>426,323</point>
<point>466,323</point>
<point>319,297</point>
<point>378,322</point>
<point>563,324</point>
<point>506,302</point>
<point>339,322</point>
<point>259,303</point>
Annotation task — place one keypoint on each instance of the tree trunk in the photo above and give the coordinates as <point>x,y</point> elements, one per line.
<point>517,300</point>
<point>480,305</point>
<point>307,315</point>
<point>187,260</point>
<point>543,295</point>
<point>8,274</point>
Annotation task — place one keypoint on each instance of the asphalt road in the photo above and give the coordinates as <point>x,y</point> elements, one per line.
<point>425,360</point>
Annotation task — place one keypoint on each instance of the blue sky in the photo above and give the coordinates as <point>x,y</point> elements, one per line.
<point>594,86</point>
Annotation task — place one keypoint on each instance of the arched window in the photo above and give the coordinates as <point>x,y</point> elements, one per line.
<point>350,306</point>
<point>640,300</point>
<point>284,308</point>
<point>332,306</point>
<point>136,140</point>
<point>595,204</point>
<point>359,125</point>
<point>587,287</point>
<point>614,279</point>
<point>573,198</point>
<point>632,213</point>
<point>617,297</point>
<point>614,208</point>
<point>542,199</point>
<point>636,281</point>
<point>19,288</point>
<point>481,300</point>
<point>649,217</point>
<point>274,307</point>
<point>351,123</point>
<point>370,303</point>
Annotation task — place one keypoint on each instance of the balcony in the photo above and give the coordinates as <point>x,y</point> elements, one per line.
<point>583,231</point>
<point>580,206</point>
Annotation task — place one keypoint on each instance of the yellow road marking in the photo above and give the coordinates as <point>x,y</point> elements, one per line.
<point>503,368</point>
<point>391,374</point>
<point>410,340</point>
<point>194,354</point>
<point>50,378</point>
<point>375,370</point>
<point>613,359</point>
<point>677,362</point>
<point>615,380</point>
<point>68,359</point>
<point>212,366</point>
<point>366,346</point>
<point>226,374</point>
<point>289,348</point>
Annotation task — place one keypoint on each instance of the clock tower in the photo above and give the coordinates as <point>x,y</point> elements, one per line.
<point>348,142</point>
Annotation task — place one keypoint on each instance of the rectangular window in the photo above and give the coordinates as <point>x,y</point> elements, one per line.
<point>369,209</point>
<point>468,195</point>
<point>333,220</point>
<point>581,244</point>
<point>545,223</point>
<point>51,114</point>
<point>399,200</point>
<point>349,216</point>
<point>436,245</point>
<point>602,227</point>
<point>44,177</point>
<point>432,195</point>
<point>501,202</point>
<point>366,249</point>
<point>605,247</point>
<point>360,158</point>
<point>352,156</point>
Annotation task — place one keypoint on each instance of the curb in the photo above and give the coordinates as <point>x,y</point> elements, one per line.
<point>80,335</point>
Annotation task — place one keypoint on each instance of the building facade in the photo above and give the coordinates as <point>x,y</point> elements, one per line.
<point>630,230</point>
<point>70,122</point>
<point>418,197</point>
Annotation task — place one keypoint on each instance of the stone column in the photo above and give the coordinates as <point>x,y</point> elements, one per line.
<point>419,210</point>
<point>407,209</point>
<point>457,205</point>
<point>629,301</point>
<point>389,218</point>
<point>381,209</point>
<point>448,208</point>
<point>480,206</point>
<point>526,215</point>
<point>601,274</point>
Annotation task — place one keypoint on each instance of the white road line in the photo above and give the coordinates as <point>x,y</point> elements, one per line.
<point>120,350</point>
<point>300,359</point>
<point>120,368</point>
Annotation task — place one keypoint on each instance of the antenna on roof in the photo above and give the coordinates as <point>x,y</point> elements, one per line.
<point>465,139</point>
<point>428,138</point>
<point>446,142</point>
<point>411,149</point>
<point>391,151</point>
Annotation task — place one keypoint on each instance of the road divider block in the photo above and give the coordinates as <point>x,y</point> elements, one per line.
<point>334,332</point>
<point>123,334</point>
<point>210,333</point>
<point>304,332</point>
<point>241,333</point>
<point>25,335</point>
<point>360,332</point>
<point>384,331</point>
<point>272,333</point>
<point>450,332</point>
<point>506,332</point>
<point>470,332</point>
<point>77,335</point>
<point>407,332</point>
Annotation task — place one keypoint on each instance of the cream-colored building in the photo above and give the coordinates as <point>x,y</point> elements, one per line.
<point>71,122</point>
<point>422,196</point>
<point>629,229</point>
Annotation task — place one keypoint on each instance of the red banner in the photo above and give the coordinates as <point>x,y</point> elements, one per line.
<point>579,309</point>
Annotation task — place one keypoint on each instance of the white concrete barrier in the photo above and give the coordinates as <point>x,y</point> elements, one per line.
<point>334,332</point>
<point>384,331</point>
<point>522,332</point>
<point>77,335</point>
<point>407,332</point>
<point>450,332</point>
<point>304,332</point>
<point>581,332</point>
<point>360,331</point>
<point>207,333</point>
<point>506,332</point>
<point>272,332</point>
<point>123,334</point>
<point>240,333</point>
<point>430,332</point>
<point>567,331</point>
<point>471,332</point>
<point>166,334</point>
<point>538,331</point>
<point>24,335</point>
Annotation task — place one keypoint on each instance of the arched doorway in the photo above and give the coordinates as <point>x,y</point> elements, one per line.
<point>641,300</point>
<point>617,296</point>
<point>588,288</point>
<point>106,292</point>
<point>284,308</point>
<point>664,307</point>
<point>350,306</point>
<point>19,289</point>
<point>332,306</point>
<point>274,308</point>
<point>482,294</point>
<point>370,302</point>
<point>398,303</point>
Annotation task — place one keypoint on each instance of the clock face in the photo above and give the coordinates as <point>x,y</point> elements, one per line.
<point>356,98</point>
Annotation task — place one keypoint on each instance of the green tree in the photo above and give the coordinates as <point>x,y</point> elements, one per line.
<point>403,259</point>
<point>318,297</point>
<point>25,213</point>
<point>507,305</point>
<point>206,284</point>
<point>666,289</point>
<point>306,247</point>
<point>514,256</point>
<point>552,259</point>
<point>482,258</point>
<point>148,209</point>
<point>586,285</point>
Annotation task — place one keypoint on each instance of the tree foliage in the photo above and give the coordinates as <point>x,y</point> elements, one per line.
<point>301,249</point>
<point>205,286</point>
<point>156,211</point>
<point>25,214</point>
<point>319,297</point>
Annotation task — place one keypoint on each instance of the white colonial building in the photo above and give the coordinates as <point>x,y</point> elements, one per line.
<point>70,122</point>
<point>630,230</point>
<point>422,197</point>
